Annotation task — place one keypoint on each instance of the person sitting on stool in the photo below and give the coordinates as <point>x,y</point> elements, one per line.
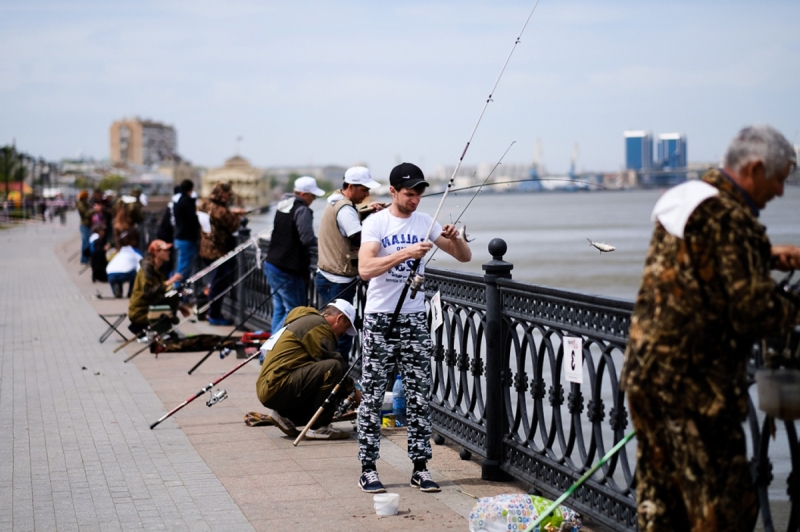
<point>150,287</point>
<point>123,267</point>
<point>302,366</point>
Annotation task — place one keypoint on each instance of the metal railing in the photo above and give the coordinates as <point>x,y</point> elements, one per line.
<point>498,389</point>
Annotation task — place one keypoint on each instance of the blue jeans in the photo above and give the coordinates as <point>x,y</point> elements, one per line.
<point>187,252</point>
<point>86,232</point>
<point>288,292</point>
<point>327,291</point>
<point>120,278</point>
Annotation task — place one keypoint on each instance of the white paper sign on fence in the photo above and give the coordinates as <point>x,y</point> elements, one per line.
<point>573,359</point>
<point>436,311</point>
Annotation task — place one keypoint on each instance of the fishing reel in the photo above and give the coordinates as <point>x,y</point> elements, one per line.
<point>416,284</point>
<point>345,410</point>
<point>220,395</point>
<point>786,286</point>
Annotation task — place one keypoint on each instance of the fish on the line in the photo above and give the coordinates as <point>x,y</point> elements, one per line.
<point>463,234</point>
<point>604,248</point>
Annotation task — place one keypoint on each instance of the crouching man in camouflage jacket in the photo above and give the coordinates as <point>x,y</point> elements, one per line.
<point>302,366</point>
<point>706,296</point>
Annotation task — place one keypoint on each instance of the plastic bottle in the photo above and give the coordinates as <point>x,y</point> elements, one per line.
<point>399,403</point>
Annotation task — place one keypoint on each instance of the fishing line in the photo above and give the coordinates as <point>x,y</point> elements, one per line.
<point>473,197</point>
<point>512,181</point>
<point>413,278</point>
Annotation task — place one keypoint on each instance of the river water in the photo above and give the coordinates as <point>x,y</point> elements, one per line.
<point>546,234</point>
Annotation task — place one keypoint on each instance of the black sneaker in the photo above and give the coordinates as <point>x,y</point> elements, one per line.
<point>423,481</point>
<point>370,483</point>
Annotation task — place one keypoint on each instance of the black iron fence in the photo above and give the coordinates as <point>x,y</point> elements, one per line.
<point>499,389</point>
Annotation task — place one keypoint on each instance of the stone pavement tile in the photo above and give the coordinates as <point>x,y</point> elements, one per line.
<point>340,463</point>
<point>267,508</point>
<point>312,522</point>
<point>69,435</point>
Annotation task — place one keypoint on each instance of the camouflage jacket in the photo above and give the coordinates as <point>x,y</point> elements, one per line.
<point>308,338</point>
<point>223,224</point>
<point>148,289</point>
<point>704,299</point>
<point>85,212</point>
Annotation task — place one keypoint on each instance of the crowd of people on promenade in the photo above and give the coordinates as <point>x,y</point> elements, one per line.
<point>36,207</point>
<point>706,296</point>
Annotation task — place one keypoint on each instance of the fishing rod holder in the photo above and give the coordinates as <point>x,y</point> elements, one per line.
<point>220,395</point>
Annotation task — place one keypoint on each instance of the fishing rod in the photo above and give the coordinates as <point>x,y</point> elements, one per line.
<point>223,259</point>
<point>183,322</point>
<point>473,197</point>
<point>197,312</point>
<point>509,182</point>
<point>614,450</point>
<point>219,395</point>
<point>238,326</point>
<point>414,281</point>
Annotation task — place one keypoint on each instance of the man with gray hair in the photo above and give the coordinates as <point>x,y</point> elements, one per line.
<point>706,296</point>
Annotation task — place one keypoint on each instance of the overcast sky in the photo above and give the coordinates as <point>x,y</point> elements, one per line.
<point>372,82</point>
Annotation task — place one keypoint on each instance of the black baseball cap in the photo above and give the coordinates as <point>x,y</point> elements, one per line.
<point>407,175</point>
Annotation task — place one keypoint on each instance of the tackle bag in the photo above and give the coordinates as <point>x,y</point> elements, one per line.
<point>516,511</point>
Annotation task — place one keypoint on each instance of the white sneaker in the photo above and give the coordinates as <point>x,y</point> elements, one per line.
<point>285,425</point>
<point>327,433</point>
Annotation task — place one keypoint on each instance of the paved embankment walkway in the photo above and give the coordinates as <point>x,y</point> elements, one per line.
<point>76,451</point>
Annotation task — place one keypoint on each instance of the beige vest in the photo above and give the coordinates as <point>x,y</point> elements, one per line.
<point>335,254</point>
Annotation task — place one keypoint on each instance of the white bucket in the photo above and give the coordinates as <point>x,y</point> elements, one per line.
<point>386,503</point>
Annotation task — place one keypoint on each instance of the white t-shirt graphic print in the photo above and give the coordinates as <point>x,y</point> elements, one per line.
<point>394,234</point>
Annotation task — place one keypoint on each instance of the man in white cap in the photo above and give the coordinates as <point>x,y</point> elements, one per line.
<point>287,264</point>
<point>301,367</point>
<point>339,241</point>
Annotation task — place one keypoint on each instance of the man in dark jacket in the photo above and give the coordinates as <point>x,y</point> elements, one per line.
<point>301,367</point>
<point>706,296</point>
<point>187,228</point>
<point>287,261</point>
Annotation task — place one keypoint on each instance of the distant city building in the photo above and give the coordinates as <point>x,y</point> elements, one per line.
<point>250,185</point>
<point>638,150</point>
<point>332,173</point>
<point>143,142</point>
<point>672,151</point>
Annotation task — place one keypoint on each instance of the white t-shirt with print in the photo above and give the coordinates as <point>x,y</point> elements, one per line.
<point>394,234</point>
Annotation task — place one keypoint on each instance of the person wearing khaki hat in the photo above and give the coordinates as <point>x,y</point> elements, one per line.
<point>287,264</point>
<point>151,285</point>
<point>339,240</point>
<point>301,367</point>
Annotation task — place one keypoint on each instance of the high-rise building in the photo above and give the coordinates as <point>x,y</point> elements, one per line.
<point>144,142</point>
<point>672,151</point>
<point>638,150</point>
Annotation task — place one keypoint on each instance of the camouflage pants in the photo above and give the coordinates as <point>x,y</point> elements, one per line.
<point>412,354</point>
<point>692,471</point>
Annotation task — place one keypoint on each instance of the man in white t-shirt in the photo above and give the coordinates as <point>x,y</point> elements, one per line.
<point>339,241</point>
<point>391,241</point>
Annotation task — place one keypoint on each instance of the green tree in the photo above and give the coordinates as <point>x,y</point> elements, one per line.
<point>12,169</point>
<point>289,185</point>
<point>111,182</point>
